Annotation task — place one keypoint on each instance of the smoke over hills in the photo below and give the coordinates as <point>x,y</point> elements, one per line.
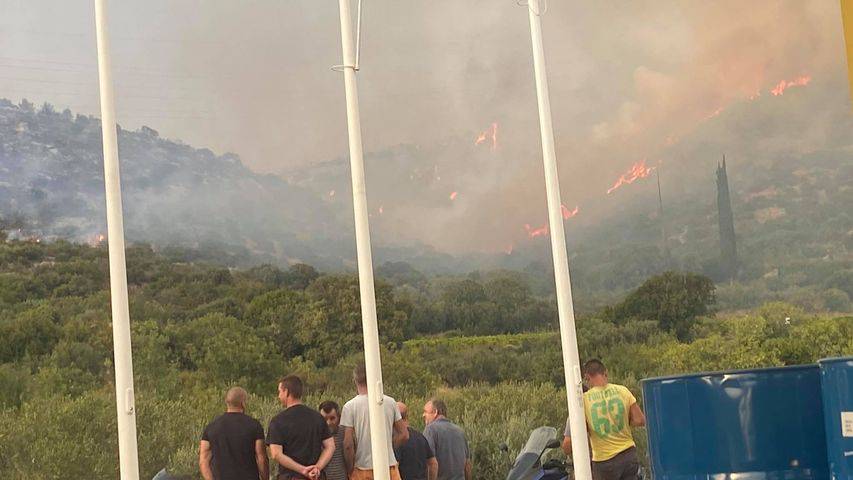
<point>52,179</point>
<point>671,84</point>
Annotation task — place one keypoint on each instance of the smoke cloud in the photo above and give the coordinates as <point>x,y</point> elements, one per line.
<point>669,82</point>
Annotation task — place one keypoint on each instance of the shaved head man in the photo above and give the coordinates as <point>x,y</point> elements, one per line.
<point>232,445</point>
<point>236,397</point>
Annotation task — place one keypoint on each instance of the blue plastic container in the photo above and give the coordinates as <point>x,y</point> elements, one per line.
<point>836,378</point>
<point>762,424</point>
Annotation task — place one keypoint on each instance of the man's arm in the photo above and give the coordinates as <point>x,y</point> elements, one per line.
<point>349,449</point>
<point>204,456</point>
<point>635,416</point>
<point>567,445</point>
<point>326,454</point>
<point>400,435</point>
<point>432,468</point>
<point>278,455</point>
<point>261,460</point>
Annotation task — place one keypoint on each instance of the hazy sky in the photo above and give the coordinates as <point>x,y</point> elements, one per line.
<point>253,76</point>
<point>628,79</point>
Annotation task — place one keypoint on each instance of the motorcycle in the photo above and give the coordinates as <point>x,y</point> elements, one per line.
<point>528,464</point>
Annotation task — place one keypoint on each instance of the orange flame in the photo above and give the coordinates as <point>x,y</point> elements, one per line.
<point>567,214</point>
<point>453,195</point>
<point>491,133</point>
<point>715,113</point>
<point>638,170</point>
<point>536,232</point>
<point>96,240</point>
<point>797,82</point>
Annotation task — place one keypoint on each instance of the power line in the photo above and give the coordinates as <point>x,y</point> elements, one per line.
<point>20,91</point>
<point>91,66</point>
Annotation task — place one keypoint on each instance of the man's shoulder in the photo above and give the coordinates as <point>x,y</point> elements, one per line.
<point>443,425</point>
<point>456,428</point>
<point>308,412</point>
<point>297,413</point>
<point>231,421</point>
<point>247,420</point>
<point>215,422</point>
<point>415,434</point>
<point>622,389</point>
<point>278,417</point>
<point>356,402</point>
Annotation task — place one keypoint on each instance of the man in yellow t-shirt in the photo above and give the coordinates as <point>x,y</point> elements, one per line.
<point>611,411</point>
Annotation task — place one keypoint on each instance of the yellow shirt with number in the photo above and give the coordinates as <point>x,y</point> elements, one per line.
<point>607,410</point>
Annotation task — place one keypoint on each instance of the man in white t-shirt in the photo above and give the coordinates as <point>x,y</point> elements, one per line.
<point>355,422</point>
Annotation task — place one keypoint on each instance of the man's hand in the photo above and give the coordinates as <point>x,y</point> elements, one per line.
<point>567,446</point>
<point>311,471</point>
<point>278,455</point>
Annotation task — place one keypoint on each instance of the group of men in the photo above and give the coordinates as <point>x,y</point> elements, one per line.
<point>330,443</point>
<point>333,443</point>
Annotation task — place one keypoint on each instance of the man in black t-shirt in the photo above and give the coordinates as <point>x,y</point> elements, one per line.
<point>417,462</point>
<point>299,439</point>
<point>232,445</point>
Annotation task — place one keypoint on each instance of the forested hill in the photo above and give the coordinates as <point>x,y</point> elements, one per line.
<point>51,186</point>
<point>792,217</point>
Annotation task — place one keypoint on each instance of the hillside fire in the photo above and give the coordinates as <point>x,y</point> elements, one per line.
<point>637,171</point>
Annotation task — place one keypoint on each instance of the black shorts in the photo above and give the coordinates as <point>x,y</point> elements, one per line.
<point>624,466</point>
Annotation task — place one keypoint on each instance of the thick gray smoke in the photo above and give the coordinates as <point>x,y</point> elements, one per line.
<point>665,81</point>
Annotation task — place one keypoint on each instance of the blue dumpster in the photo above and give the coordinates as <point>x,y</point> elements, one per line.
<point>762,424</point>
<point>836,378</point>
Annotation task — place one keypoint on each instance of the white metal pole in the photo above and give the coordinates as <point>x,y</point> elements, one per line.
<point>565,307</point>
<point>373,363</point>
<point>125,409</point>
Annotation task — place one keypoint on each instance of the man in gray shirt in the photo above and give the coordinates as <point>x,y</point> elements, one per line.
<point>447,441</point>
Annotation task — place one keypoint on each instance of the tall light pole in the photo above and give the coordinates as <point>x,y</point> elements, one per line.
<point>125,408</point>
<point>370,329</point>
<point>565,307</point>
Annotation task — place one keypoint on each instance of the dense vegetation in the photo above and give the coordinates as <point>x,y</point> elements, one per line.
<point>485,341</point>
